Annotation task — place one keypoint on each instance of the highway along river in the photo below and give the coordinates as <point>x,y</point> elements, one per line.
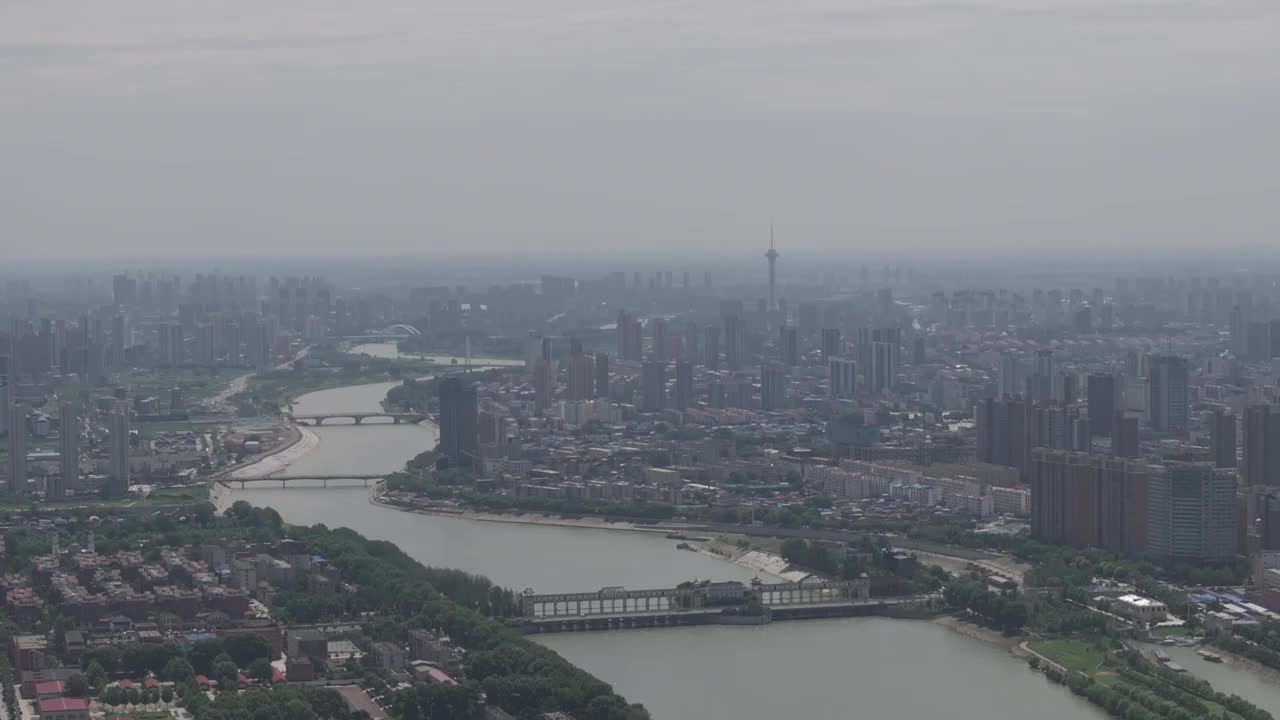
<point>850,668</point>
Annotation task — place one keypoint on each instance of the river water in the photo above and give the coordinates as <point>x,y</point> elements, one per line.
<point>851,668</point>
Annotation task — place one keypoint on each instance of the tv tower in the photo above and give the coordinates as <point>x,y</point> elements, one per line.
<point>772,257</point>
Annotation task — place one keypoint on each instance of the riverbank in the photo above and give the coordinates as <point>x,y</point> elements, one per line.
<point>300,442</point>
<point>994,638</point>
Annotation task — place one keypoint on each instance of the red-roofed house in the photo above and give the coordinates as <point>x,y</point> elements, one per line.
<point>63,709</point>
<point>242,681</point>
<point>150,683</point>
<point>202,682</point>
<point>276,675</point>
<point>126,684</point>
<point>50,689</point>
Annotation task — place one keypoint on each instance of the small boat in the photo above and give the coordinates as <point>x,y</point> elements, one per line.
<point>1160,655</point>
<point>1175,667</point>
<point>1209,656</point>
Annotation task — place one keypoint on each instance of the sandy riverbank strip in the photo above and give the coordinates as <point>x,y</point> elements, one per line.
<point>299,442</point>
<point>530,518</point>
<point>991,637</point>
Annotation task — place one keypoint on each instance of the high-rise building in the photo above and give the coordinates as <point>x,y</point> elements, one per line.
<point>6,396</point>
<point>602,375</point>
<point>1124,435</point>
<point>661,344</point>
<point>544,381</point>
<point>773,388</point>
<point>884,366</point>
<point>1222,439</point>
<point>1088,501</point>
<point>1191,513</point>
<point>630,338</point>
<point>1004,433</point>
<point>17,448</point>
<point>691,336</point>
<point>831,346</point>
<point>1261,446</point>
<point>68,452</point>
<point>653,386</point>
<point>1259,342</point>
<point>582,376</point>
<point>118,429</point>
<point>843,376</point>
<point>733,342</point>
<point>684,385</point>
<point>772,257</point>
<point>1168,404</point>
<point>1103,394</point>
<point>1009,382</point>
<point>711,347</point>
<point>789,345</point>
<point>459,422</point>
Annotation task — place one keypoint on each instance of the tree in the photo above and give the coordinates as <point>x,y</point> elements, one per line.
<point>260,669</point>
<point>227,674</point>
<point>77,686</point>
<point>244,648</point>
<point>178,669</point>
<point>166,693</point>
<point>203,652</point>
<point>95,674</point>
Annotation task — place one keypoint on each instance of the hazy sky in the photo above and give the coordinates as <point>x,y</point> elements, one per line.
<point>592,126</point>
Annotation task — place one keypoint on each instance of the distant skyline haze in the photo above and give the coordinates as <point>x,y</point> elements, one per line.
<point>143,128</point>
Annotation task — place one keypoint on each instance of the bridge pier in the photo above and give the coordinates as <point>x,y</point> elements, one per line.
<point>319,421</point>
<point>358,419</point>
<point>395,420</point>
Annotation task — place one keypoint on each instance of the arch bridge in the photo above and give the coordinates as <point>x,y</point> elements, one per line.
<point>358,418</point>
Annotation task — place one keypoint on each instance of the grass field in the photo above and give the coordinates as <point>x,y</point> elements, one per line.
<point>1078,655</point>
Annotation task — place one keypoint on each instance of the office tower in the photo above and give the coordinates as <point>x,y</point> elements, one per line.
<point>843,375</point>
<point>1269,513</point>
<point>1066,387</point>
<point>544,380</point>
<point>1222,439</point>
<point>711,347</point>
<point>548,350</point>
<point>630,340</point>
<point>118,429</point>
<point>808,319</point>
<point>1124,435</point>
<point>1261,446</point>
<point>1088,501</point>
<point>1258,343</point>
<point>772,257</point>
<point>831,347</point>
<point>733,343</point>
<point>459,422</point>
<point>1004,436</point>
<point>602,375</point>
<point>1083,321</point>
<point>68,452</point>
<point>1039,386</point>
<point>1168,403</point>
<point>6,396</point>
<point>660,341</point>
<point>691,335</point>
<point>1009,381</point>
<point>653,386</point>
<point>582,376</point>
<point>1081,435</point>
<point>119,340</point>
<point>773,388</point>
<point>575,346</point>
<point>884,366</point>
<point>17,448</point>
<point>684,385</point>
<point>1103,394</point>
<point>1239,332</point>
<point>789,345</point>
<point>917,351</point>
<point>1191,513</point>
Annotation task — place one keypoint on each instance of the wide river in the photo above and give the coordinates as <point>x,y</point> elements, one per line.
<point>851,668</point>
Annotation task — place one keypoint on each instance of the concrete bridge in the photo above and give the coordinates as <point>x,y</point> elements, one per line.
<point>284,480</point>
<point>358,418</point>
<point>705,603</point>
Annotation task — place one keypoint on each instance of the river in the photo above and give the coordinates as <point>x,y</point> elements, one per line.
<point>858,667</point>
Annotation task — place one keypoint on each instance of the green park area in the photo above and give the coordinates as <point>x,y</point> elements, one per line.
<point>1127,685</point>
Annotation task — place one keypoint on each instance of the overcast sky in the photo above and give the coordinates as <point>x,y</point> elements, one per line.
<point>593,126</point>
